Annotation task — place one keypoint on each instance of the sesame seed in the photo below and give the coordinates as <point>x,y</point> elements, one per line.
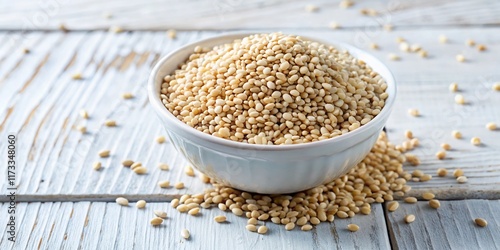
<point>251,228</point>
<point>311,8</point>
<point>262,230</point>
<point>156,221</point>
<point>189,171</point>
<point>194,211</point>
<point>393,57</point>
<point>459,99</point>
<point>179,185</point>
<point>445,146</point>
<point>353,227</point>
<point>334,25</point>
<point>374,46</point>
<point>116,29</point>
<point>491,126</point>
<point>164,184</point>
<point>481,222</point>
<point>76,76</point>
<point>96,166</point>
<point>110,123</point>
<point>408,134</point>
<point>127,163</point>
<point>428,196</point>
<point>411,200</point>
<point>346,4</point>
<point>453,87</point>
<point>82,129</point>
<point>409,218</point>
<point>289,226</point>
<point>306,227</point>
<point>496,86</point>
<point>457,134</point>
<point>443,39</point>
<point>442,172</point>
<point>440,155</point>
<point>204,178</point>
<point>172,34</point>
<point>26,50</point>
<point>470,42</point>
<point>160,139</point>
<point>392,206</point>
<point>481,47</point>
<point>127,95</point>
<point>140,170</point>
<point>135,165</point>
<point>104,153</point>
<point>475,141</point>
<point>163,166</point>
<point>414,112</point>
<point>140,204</point>
<point>122,201</point>
<point>185,234</point>
<point>84,114</point>
<point>220,218</point>
<point>423,53</point>
<point>462,179</point>
<point>458,172</point>
<point>434,204</point>
<point>460,58</point>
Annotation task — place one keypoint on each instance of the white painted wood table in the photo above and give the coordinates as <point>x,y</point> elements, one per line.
<point>63,203</point>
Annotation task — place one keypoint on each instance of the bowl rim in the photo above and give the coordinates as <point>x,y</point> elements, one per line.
<point>155,100</point>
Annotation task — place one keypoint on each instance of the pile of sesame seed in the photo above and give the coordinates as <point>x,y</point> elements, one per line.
<point>274,89</point>
<point>378,178</point>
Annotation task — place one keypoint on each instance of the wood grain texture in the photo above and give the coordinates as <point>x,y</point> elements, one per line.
<point>449,227</point>
<point>40,103</point>
<point>100,225</point>
<point>239,14</point>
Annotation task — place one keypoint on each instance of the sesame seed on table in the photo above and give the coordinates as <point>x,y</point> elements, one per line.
<point>96,169</point>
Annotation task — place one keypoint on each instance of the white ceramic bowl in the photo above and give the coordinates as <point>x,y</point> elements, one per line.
<point>269,169</point>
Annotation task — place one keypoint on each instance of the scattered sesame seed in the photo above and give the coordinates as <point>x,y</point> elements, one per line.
<point>392,206</point>
<point>110,123</point>
<point>104,153</point>
<point>107,15</point>
<point>453,87</point>
<point>262,230</point>
<point>481,47</point>
<point>189,171</point>
<point>457,134</point>
<point>393,57</point>
<point>462,179</point>
<point>470,42</point>
<point>156,221</point>
<point>116,29</point>
<point>411,200</point>
<point>311,8</point>
<point>140,204</point>
<point>334,25</point>
<point>491,126</point>
<point>434,204</point>
<point>194,211</point>
<point>84,114</point>
<point>408,134</point>
<point>409,218</point>
<point>140,170</point>
<point>163,166</point>
<point>122,201</point>
<point>172,34</point>
<point>458,172</point>
<point>475,141</point>
<point>179,185</point>
<point>346,4</point>
<point>440,155</point>
<point>204,178</point>
<point>220,218</point>
<point>82,129</point>
<point>459,99</point>
<point>414,112</point>
<point>481,222</point>
<point>127,95</point>
<point>445,146</point>
<point>353,227</point>
<point>251,228</point>
<point>374,46</point>
<point>164,184</point>
<point>161,139</point>
<point>442,172</point>
<point>428,196</point>
<point>460,58</point>
<point>135,165</point>
<point>404,46</point>
<point>185,234</point>
<point>388,27</point>
<point>77,76</point>
<point>289,226</point>
<point>63,28</point>
<point>160,213</point>
<point>26,50</point>
<point>423,53</point>
<point>306,227</point>
<point>443,39</point>
<point>496,86</point>
<point>97,165</point>
<point>127,163</point>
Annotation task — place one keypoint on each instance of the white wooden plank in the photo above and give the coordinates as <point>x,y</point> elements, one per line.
<point>84,225</point>
<point>239,14</point>
<point>449,227</point>
<point>54,159</point>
